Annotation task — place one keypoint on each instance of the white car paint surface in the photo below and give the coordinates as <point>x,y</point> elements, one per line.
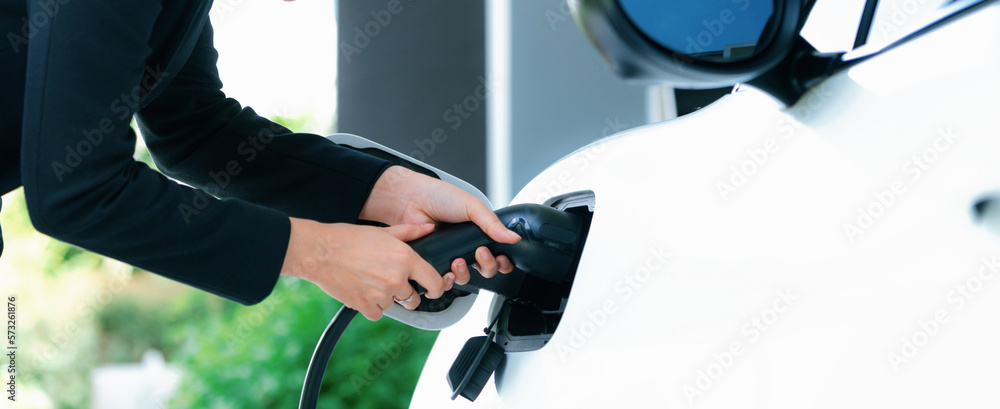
<point>822,256</point>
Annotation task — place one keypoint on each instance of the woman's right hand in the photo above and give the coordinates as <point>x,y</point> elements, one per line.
<point>365,267</point>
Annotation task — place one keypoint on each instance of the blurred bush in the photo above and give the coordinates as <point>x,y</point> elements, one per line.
<point>251,357</point>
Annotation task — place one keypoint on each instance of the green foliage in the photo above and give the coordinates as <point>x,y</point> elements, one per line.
<point>303,123</point>
<point>130,326</point>
<point>297,124</point>
<point>16,223</point>
<point>252,357</point>
<point>62,257</point>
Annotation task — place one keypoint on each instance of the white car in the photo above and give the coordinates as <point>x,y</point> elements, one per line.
<point>823,237</point>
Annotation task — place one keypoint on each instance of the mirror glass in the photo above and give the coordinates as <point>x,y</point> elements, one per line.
<point>704,30</point>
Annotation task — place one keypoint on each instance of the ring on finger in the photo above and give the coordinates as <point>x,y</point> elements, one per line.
<point>404,302</point>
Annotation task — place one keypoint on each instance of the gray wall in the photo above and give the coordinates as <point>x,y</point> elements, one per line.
<point>563,94</point>
<point>415,82</point>
<point>415,85</point>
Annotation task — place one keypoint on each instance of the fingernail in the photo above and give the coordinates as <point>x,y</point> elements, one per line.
<point>449,281</point>
<point>511,234</point>
<point>462,268</point>
<point>427,225</point>
<point>483,253</point>
<point>503,262</point>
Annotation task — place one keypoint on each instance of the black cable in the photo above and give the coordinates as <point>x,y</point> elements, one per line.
<point>328,341</point>
<point>321,357</point>
<point>497,318</point>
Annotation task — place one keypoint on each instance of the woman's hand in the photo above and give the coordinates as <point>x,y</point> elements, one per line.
<point>368,268</point>
<point>365,267</point>
<point>402,196</point>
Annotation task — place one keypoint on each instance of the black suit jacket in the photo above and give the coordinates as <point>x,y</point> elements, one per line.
<point>72,80</point>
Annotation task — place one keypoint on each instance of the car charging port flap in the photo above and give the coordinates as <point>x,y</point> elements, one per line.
<point>475,364</point>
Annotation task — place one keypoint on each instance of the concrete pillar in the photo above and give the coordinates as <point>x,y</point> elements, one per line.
<point>411,76</point>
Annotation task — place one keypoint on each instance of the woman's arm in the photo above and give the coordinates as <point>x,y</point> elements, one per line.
<point>81,184</point>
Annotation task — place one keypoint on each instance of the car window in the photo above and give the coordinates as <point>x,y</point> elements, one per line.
<point>895,19</point>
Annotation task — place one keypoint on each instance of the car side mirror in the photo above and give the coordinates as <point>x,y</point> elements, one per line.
<point>726,31</point>
<point>707,43</point>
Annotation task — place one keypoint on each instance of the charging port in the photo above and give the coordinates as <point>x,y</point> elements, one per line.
<point>531,317</point>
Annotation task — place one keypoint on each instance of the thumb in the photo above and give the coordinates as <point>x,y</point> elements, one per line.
<point>410,232</point>
<point>483,217</point>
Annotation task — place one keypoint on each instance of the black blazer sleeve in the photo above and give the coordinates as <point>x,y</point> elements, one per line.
<point>202,138</point>
<point>85,71</point>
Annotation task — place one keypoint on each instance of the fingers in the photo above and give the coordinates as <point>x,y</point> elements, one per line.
<point>488,221</point>
<point>420,271</point>
<point>449,281</point>
<point>505,265</point>
<point>410,232</point>
<point>409,301</point>
<point>365,267</point>
<point>375,311</point>
<point>372,313</point>
<point>487,264</point>
<point>461,271</point>
<point>427,277</point>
